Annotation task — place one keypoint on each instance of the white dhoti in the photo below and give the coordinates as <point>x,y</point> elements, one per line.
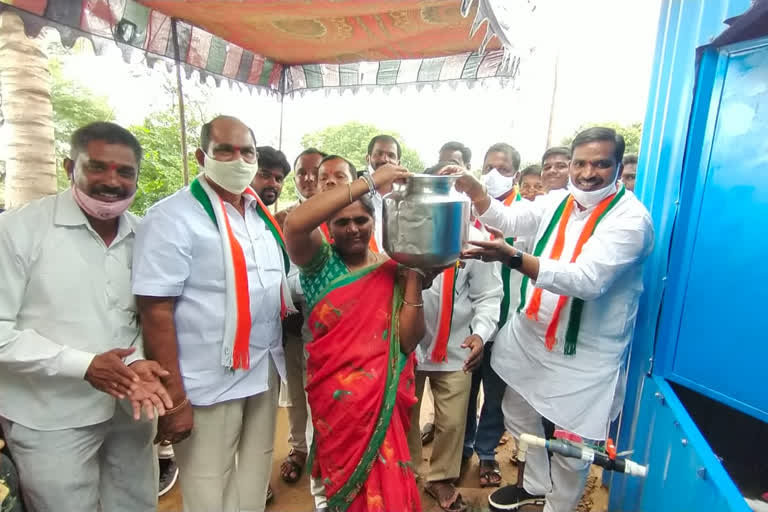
<point>560,479</point>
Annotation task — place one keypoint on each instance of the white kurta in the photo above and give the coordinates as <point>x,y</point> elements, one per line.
<point>178,254</point>
<point>578,391</point>
<point>475,311</point>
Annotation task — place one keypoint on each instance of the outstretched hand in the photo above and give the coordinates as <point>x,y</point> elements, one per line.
<point>496,249</point>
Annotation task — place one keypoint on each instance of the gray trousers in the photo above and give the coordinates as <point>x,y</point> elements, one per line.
<point>110,466</point>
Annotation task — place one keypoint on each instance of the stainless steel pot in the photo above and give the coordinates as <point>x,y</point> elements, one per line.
<point>425,221</point>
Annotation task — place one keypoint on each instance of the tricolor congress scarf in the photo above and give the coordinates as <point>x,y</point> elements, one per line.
<point>506,272</point>
<point>560,220</point>
<point>445,314</point>
<point>235,352</point>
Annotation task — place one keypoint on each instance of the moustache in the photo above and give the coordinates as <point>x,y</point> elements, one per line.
<point>102,189</point>
<point>269,189</point>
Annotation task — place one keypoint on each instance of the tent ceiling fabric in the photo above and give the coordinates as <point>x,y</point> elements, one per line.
<point>333,31</point>
<point>291,45</point>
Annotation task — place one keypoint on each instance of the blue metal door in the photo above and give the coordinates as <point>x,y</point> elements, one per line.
<point>715,331</point>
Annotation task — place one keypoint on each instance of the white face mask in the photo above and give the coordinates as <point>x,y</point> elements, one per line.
<point>497,184</point>
<point>588,199</point>
<point>234,176</point>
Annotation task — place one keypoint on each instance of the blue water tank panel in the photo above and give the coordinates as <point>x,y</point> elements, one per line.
<point>718,270</point>
<point>703,174</point>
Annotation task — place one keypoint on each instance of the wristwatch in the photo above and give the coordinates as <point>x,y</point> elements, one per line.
<point>515,261</point>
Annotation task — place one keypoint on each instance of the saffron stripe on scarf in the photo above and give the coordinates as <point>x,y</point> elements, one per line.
<point>447,292</point>
<point>241,351</point>
<point>540,245</point>
<point>272,224</point>
<point>514,196</point>
<point>557,250</point>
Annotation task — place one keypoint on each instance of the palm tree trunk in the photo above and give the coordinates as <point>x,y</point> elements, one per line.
<point>25,84</point>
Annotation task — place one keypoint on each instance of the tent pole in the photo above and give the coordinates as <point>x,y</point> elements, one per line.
<point>553,102</point>
<point>280,135</point>
<point>182,116</point>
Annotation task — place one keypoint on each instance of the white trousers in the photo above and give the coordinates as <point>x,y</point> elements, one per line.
<point>109,467</point>
<point>560,479</point>
<point>225,464</point>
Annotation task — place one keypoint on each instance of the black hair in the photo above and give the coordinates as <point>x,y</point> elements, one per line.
<point>205,131</point>
<point>103,131</point>
<point>531,170</point>
<point>556,151</point>
<point>436,168</point>
<point>503,147</point>
<point>309,151</point>
<point>466,153</point>
<point>367,203</point>
<point>352,170</point>
<point>599,134</point>
<point>271,158</point>
<point>630,159</point>
<point>384,139</point>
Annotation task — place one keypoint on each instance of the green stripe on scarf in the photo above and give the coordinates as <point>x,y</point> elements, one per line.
<point>506,275</point>
<point>196,189</point>
<point>276,234</point>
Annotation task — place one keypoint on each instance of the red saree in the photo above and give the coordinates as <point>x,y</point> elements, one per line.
<point>360,389</point>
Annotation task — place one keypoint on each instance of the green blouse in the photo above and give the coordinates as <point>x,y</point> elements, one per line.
<point>317,275</point>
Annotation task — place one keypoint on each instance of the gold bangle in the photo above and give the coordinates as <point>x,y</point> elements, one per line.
<point>419,305</point>
<point>179,407</point>
<point>349,187</point>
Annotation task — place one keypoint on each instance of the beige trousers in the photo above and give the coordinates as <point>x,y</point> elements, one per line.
<point>226,463</point>
<point>450,391</point>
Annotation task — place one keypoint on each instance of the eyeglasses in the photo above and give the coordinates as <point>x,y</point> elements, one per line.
<point>228,152</point>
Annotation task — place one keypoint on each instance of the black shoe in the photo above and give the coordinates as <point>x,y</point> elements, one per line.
<point>169,473</point>
<point>512,497</point>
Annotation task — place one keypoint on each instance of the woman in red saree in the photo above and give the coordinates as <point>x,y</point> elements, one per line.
<point>366,319</point>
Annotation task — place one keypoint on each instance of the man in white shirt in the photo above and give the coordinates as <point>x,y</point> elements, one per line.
<point>209,274</point>
<point>563,356</point>
<point>462,331</point>
<point>382,149</point>
<point>70,343</point>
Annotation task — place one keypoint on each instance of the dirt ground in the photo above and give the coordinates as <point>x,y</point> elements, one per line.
<point>296,497</point>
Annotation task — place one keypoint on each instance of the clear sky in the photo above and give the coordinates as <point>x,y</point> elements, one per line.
<point>605,50</point>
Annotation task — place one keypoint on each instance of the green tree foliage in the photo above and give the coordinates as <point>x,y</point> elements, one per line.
<point>74,105</point>
<point>161,171</point>
<point>631,133</point>
<point>350,140</point>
